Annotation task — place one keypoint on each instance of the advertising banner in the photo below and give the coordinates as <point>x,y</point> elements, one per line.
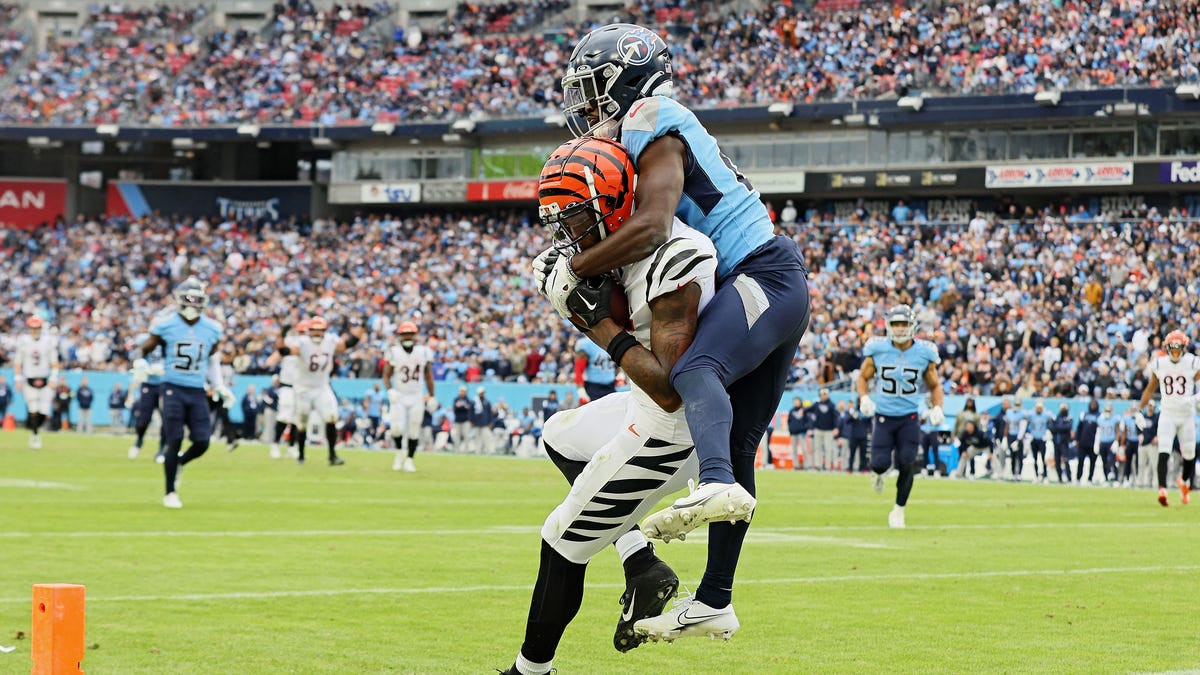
<point>390,193</point>
<point>224,201</point>
<point>1179,172</point>
<point>444,191</point>
<point>776,182</point>
<point>1065,174</point>
<point>30,202</point>
<point>502,190</point>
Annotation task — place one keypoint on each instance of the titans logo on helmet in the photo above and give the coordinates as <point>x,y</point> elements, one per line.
<point>636,47</point>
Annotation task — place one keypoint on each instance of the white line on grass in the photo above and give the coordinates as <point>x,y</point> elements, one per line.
<point>37,484</point>
<point>854,578</point>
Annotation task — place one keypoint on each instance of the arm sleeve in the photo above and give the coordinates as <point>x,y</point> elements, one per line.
<point>215,377</point>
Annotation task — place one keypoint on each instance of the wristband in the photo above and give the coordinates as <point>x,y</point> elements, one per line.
<point>575,278</point>
<point>620,344</point>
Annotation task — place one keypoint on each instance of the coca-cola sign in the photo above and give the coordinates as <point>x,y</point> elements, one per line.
<point>502,191</point>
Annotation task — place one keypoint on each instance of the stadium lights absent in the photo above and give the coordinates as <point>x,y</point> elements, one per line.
<point>250,130</point>
<point>183,143</point>
<point>464,126</point>
<point>911,103</point>
<point>1049,98</point>
<point>322,142</point>
<point>383,128</point>
<point>1191,91</point>
<point>108,129</point>
<point>555,120</point>
<point>781,109</point>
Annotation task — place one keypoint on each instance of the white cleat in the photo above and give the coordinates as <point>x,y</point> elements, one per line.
<point>877,482</point>
<point>705,503</point>
<point>398,463</point>
<point>690,618</point>
<point>409,467</point>
<point>134,451</point>
<point>896,518</point>
<point>171,501</point>
<point>293,453</point>
<point>35,442</point>
<point>274,451</point>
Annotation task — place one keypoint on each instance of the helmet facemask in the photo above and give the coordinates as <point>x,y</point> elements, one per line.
<point>1175,351</point>
<point>571,226</point>
<point>587,104</point>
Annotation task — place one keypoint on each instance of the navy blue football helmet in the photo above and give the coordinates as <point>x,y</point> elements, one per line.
<point>611,68</point>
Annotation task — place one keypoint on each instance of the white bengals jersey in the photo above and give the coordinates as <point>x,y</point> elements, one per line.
<point>408,368</point>
<point>687,256</point>
<point>1176,382</point>
<point>39,357</point>
<point>315,360</point>
<point>289,366</point>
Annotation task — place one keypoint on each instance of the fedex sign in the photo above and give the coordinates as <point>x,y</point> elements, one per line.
<point>1180,172</point>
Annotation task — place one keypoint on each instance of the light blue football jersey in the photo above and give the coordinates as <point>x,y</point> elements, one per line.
<point>1106,428</point>
<point>717,200</point>
<point>1038,423</point>
<point>187,348</point>
<point>600,368</point>
<point>899,375</point>
<point>1012,420</point>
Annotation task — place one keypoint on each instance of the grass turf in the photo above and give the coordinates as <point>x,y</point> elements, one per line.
<point>272,567</point>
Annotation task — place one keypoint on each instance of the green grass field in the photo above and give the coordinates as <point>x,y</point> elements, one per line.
<point>277,568</point>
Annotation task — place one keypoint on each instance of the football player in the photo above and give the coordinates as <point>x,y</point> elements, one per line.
<point>407,369</point>
<point>188,339</point>
<point>288,368</point>
<point>889,389</point>
<point>595,374</point>
<point>316,350</point>
<point>731,379</point>
<point>1174,376</point>
<point>35,367</point>
<point>145,397</point>
<point>1037,435</point>
<point>623,452</point>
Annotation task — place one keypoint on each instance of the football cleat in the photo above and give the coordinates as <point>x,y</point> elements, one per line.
<point>171,501</point>
<point>274,451</point>
<point>134,451</point>
<point>1162,496</point>
<point>409,467</point>
<point>646,595</point>
<point>398,462</point>
<point>35,442</point>
<point>160,458</point>
<point>705,503</point>
<point>336,461</point>
<point>1184,489</point>
<point>691,618</point>
<point>877,481</point>
<point>896,518</point>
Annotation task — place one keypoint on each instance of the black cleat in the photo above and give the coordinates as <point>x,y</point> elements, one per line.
<point>336,461</point>
<point>646,595</point>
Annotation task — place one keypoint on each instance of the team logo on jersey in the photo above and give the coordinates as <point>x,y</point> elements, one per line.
<point>636,47</point>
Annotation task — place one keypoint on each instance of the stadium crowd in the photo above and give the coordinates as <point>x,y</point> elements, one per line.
<point>349,63</point>
<point>1036,304</point>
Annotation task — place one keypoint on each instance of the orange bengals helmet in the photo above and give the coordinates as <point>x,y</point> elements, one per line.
<point>34,322</point>
<point>1176,344</point>
<point>318,324</point>
<point>406,327</point>
<point>586,175</point>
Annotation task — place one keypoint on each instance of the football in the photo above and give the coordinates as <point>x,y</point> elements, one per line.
<point>619,306</point>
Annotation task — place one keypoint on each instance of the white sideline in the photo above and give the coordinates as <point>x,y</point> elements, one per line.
<point>850,578</point>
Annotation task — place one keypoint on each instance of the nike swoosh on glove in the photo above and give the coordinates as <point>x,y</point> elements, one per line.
<point>560,281</point>
<point>542,264</point>
<point>590,302</point>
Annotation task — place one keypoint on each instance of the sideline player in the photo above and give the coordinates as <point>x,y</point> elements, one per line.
<point>732,377</point>
<point>892,371</point>
<point>623,452</point>
<point>289,366</point>
<point>407,370</point>
<point>595,374</point>
<point>314,393</point>
<point>145,397</point>
<point>189,339</point>
<point>35,367</point>
<point>1175,377</point>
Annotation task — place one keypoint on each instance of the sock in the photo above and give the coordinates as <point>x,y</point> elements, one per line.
<point>1187,469</point>
<point>197,448</point>
<point>279,428</point>
<point>141,435</point>
<point>725,546</point>
<point>639,561</point>
<point>527,667</point>
<point>171,463</point>
<point>630,543</point>
<point>904,483</point>
<point>710,418</point>
<point>557,595</point>
<point>399,441</point>
<point>412,448</point>
<point>331,439</point>
<point>1163,460</point>
<point>301,437</point>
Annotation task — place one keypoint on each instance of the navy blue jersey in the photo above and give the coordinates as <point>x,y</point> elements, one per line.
<point>899,374</point>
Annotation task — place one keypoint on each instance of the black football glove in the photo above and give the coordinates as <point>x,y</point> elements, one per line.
<point>591,302</point>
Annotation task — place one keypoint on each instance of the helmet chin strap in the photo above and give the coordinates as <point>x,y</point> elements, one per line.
<point>595,200</point>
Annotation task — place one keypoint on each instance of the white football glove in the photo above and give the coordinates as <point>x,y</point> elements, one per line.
<point>226,396</point>
<point>155,370</point>
<point>936,416</point>
<point>542,264</point>
<point>140,370</point>
<point>431,404</point>
<point>866,406</point>
<point>560,281</point>
<point>1047,438</point>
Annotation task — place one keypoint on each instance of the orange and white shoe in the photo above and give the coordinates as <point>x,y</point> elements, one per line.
<point>1184,489</point>
<point>1162,496</point>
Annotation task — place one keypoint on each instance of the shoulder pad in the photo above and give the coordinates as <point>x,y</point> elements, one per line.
<point>675,264</point>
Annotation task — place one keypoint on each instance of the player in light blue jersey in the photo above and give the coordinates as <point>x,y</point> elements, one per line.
<point>1014,426</point>
<point>145,394</point>
<point>188,339</point>
<point>732,376</point>
<point>1037,436</point>
<point>595,374</point>
<point>889,389</point>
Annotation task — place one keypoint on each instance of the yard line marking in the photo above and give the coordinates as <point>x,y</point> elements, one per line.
<point>853,578</point>
<point>37,484</point>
